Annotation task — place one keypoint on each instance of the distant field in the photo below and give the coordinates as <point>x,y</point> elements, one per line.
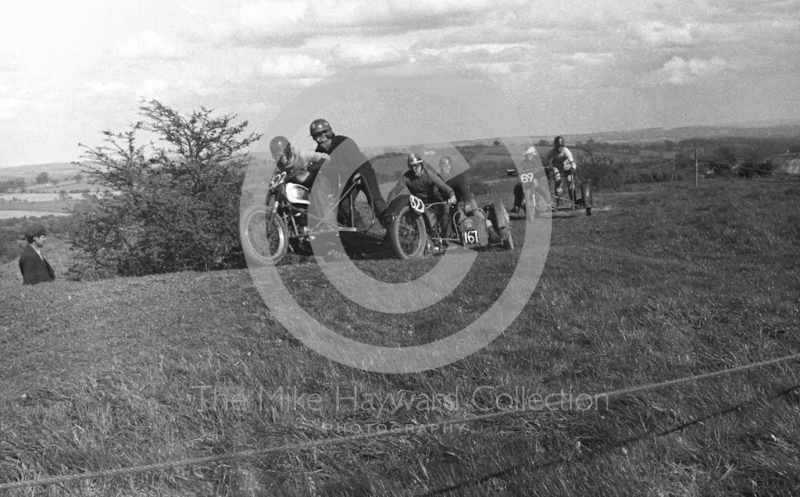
<point>67,187</point>
<point>40,206</point>
<point>36,197</point>
<point>10,214</point>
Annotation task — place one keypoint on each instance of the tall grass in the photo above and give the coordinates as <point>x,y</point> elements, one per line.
<point>662,282</point>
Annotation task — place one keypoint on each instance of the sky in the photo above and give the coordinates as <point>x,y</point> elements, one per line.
<point>69,70</point>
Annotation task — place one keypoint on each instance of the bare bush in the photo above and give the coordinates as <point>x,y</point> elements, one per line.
<point>170,205</point>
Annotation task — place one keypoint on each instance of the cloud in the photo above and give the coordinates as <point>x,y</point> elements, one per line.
<point>592,59</point>
<point>369,51</point>
<point>291,22</point>
<point>293,67</point>
<point>150,45</point>
<point>491,68</point>
<point>10,62</point>
<point>147,88</point>
<point>271,16</point>
<point>678,71</point>
<point>656,33</point>
<point>109,87</point>
<point>9,106</point>
<point>47,105</point>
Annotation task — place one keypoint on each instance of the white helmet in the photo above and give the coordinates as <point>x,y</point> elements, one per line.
<point>413,160</point>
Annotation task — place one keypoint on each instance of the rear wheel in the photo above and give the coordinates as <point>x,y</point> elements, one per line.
<point>407,234</point>
<point>261,243</point>
<point>586,194</point>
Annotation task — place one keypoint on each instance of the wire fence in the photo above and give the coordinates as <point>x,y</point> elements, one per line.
<point>422,428</point>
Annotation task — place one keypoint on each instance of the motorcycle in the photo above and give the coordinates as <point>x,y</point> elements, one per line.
<point>543,204</point>
<point>415,229</point>
<point>284,223</point>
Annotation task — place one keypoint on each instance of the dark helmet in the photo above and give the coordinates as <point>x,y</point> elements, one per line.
<point>319,126</point>
<point>277,145</point>
<point>558,142</point>
<point>446,160</point>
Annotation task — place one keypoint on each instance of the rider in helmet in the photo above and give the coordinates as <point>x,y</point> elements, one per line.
<point>540,181</point>
<point>423,182</point>
<point>561,162</point>
<point>347,160</point>
<point>295,162</point>
<point>458,182</point>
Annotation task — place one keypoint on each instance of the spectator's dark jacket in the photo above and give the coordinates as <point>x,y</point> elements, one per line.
<point>34,269</point>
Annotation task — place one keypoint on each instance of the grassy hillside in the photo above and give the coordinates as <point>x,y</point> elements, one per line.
<point>664,281</point>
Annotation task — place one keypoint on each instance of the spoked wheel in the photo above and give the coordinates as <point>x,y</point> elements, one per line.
<point>407,234</point>
<point>261,243</point>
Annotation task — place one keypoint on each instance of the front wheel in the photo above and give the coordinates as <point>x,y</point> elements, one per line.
<point>261,243</point>
<point>407,234</point>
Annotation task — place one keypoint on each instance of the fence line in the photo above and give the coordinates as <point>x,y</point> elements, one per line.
<point>418,428</point>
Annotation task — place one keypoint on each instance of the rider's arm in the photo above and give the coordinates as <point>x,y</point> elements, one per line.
<point>396,190</point>
<point>312,161</point>
<point>570,160</point>
<point>465,191</point>
<point>443,187</point>
<point>316,164</point>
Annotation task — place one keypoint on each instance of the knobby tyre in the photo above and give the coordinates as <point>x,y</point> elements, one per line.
<point>407,234</point>
<point>261,243</point>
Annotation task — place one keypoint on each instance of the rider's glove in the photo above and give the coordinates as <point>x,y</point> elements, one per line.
<point>451,201</point>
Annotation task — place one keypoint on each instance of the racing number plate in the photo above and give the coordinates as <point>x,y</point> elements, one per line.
<point>417,204</point>
<point>277,180</point>
<point>526,177</point>
<point>471,237</point>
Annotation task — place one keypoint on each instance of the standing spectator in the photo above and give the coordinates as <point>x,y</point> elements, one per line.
<point>33,266</point>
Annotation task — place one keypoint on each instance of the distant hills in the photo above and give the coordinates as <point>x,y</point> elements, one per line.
<point>765,129</point>
<point>55,170</point>
<point>783,128</point>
